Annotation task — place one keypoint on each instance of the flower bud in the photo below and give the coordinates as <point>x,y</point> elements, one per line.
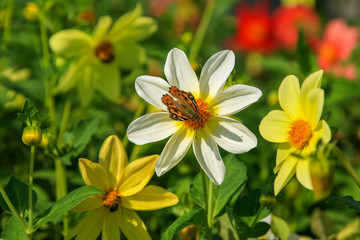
<point>189,232</point>
<point>32,136</point>
<point>322,172</point>
<point>267,200</point>
<point>31,11</point>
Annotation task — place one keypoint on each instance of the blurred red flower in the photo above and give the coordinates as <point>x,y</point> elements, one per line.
<point>289,20</point>
<point>337,45</point>
<point>254,28</point>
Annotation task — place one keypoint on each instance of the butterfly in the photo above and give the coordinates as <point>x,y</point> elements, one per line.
<point>181,105</point>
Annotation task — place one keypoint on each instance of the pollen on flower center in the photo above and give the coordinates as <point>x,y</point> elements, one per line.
<point>112,200</point>
<point>105,51</point>
<point>300,133</point>
<point>201,117</point>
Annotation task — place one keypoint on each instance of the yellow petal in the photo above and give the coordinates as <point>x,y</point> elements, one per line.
<point>113,158</point>
<point>102,27</point>
<point>70,43</point>
<point>286,172</point>
<point>73,74</point>
<point>106,79</point>
<point>289,96</point>
<point>86,86</point>
<point>88,228</point>
<point>94,174</point>
<point>275,126</point>
<point>124,22</point>
<point>137,174</point>
<point>131,225</point>
<point>283,152</point>
<point>110,230</point>
<point>150,198</point>
<point>311,82</point>
<point>321,132</point>
<point>90,203</point>
<point>303,173</point>
<point>313,106</point>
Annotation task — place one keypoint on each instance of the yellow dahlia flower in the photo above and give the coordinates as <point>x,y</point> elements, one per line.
<point>298,128</point>
<point>124,191</point>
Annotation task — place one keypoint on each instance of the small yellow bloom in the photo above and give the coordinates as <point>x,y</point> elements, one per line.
<point>31,11</point>
<point>297,128</point>
<point>97,57</point>
<point>125,191</point>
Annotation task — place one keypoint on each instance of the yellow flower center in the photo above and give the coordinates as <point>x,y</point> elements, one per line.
<point>105,51</point>
<point>300,133</point>
<point>183,107</point>
<point>112,200</point>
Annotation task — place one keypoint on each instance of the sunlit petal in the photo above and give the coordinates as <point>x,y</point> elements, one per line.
<point>102,27</point>
<point>215,73</point>
<point>90,203</point>
<point>70,43</point>
<point>89,227</point>
<point>174,150</point>
<point>234,99</point>
<point>311,82</point>
<point>131,225</point>
<point>312,106</point>
<point>110,229</point>
<point>179,72</point>
<point>93,174</point>
<point>151,89</point>
<point>285,173</point>
<point>137,174</point>
<point>231,135</point>
<point>72,74</point>
<point>113,158</point>
<point>124,22</point>
<point>208,156</point>
<point>106,78</point>
<point>284,150</point>
<point>151,127</point>
<point>86,85</point>
<point>289,96</point>
<point>129,55</point>
<point>150,198</point>
<point>321,132</point>
<point>303,173</point>
<point>275,126</point>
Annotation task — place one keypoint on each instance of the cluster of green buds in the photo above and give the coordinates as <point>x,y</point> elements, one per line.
<point>33,124</point>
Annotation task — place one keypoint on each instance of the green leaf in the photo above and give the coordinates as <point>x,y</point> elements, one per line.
<point>180,223</point>
<point>13,230</point>
<point>351,203</point>
<point>321,225</point>
<point>18,193</point>
<point>234,182</point>
<point>67,203</point>
<point>280,228</point>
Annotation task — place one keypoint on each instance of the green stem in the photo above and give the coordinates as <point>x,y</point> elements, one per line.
<point>12,208</point>
<point>256,217</point>
<point>44,42</point>
<point>7,24</point>
<point>208,231</point>
<point>200,34</point>
<point>31,179</point>
<point>210,205</point>
<point>346,164</point>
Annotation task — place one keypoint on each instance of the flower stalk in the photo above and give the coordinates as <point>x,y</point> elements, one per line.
<point>208,229</point>
<point>7,27</point>
<point>200,33</point>
<point>31,179</point>
<point>346,164</point>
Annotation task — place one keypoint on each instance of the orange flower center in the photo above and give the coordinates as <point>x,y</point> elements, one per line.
<point>183,107</point>
<point>201,117</point>
<point>105,51</point>
<point>112,200</point>
<point>300,133</point>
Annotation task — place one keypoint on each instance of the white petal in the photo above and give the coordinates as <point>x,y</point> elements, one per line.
<point>231,135</point>
<point>208,156</point>
<point>215,72</point>
<point>234,99</point>
<point>151,127</point>
<point>174,150</point>
<point>151,89</point>
<point>179,72</point>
